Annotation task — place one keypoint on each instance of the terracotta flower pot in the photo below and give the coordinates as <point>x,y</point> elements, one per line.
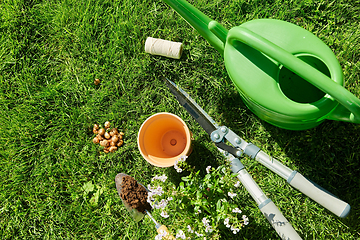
<point>163,138</point>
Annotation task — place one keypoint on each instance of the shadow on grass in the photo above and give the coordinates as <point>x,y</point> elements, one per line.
<point>199,159</point>
<point>327,154</point>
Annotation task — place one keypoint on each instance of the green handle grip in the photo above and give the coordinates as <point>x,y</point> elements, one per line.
<point>318,194</point>
<point>304,70</point>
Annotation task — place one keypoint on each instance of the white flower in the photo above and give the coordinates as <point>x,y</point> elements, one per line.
<point>208,169</point>
<point>206,224</point>
<point>198,234</point>
<point>162,204</point>
<point>161,178</point>
<point>177,168</point>
<point>232,195</point>
<point>164,214</point>
<point>180,234</point>
<point>208,229</point>
<point>246,219</point>
<point>235,230</point>
<point>189,229</point>
<point>150,197</point>
<point>150,188</point>
<point>226,222</point>
<point>155,190</point>
<point>159,191</point>
<point>205,221</point>
<point>236,210</point>
<point>237,184</point>
<point>161,234</point>
<point>183,158</point>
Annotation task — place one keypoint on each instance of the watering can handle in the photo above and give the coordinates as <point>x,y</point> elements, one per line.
<point>348,101</point>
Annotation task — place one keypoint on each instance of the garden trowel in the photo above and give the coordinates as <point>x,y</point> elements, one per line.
<point>137,215</point>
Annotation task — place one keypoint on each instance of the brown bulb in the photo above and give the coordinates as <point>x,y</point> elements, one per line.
<point>115,139</point>
<point>100,137</point>
<point>104,143</point>
<point>112,149</point>
<point>107,135</point>
<point>102,132</point>
<point>96,140</point>
<point>120,143</point>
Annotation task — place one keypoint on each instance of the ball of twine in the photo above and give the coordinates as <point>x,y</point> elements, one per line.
<point>156,46</point>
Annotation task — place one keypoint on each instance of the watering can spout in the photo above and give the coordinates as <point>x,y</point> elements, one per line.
<point>211,30</point>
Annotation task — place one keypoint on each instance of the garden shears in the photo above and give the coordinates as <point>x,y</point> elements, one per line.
<point>239,148</point>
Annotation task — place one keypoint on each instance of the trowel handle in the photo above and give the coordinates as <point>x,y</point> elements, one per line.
<point>163,229</point>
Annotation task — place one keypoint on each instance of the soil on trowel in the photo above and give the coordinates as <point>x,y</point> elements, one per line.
<point>134,194</point>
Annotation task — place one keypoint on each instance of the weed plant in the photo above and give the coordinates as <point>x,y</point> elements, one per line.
<point>56,184</point>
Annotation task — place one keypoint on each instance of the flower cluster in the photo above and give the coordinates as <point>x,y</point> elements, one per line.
<point>161,178</point>
<point>207,225</point>
<point>180,234</point>
<point>232,195</point>
<point>177,162</point>
<point>199,204</point>
<point>236,228</point>
<point>161,235</point>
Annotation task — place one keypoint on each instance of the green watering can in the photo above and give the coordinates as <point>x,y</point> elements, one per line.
<point>285,74</point>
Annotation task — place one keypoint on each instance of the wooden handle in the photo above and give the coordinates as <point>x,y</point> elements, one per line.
<point>163,229</point>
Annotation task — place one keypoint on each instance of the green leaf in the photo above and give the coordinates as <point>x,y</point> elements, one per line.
<point>88,187</point>
<point>218,204</point>
<point>95,198</point>
<point>198,194</point>
<point>185,179</point>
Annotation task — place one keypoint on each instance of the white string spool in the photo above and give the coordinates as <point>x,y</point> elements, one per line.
<point>156,46</point>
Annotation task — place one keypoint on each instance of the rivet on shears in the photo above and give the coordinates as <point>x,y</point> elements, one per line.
<point>224,129</point>
<point>237,140</point>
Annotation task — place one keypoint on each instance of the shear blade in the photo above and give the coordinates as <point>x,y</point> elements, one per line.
<point>205,121</point>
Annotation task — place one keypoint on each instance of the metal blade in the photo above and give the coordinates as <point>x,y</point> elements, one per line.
<point>205,121</point>
<point>135,214</point>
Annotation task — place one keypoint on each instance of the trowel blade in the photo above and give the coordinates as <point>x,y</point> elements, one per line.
<point>135,214</point>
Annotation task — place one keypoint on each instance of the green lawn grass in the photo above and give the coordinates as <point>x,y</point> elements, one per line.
<point>50,53</point>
